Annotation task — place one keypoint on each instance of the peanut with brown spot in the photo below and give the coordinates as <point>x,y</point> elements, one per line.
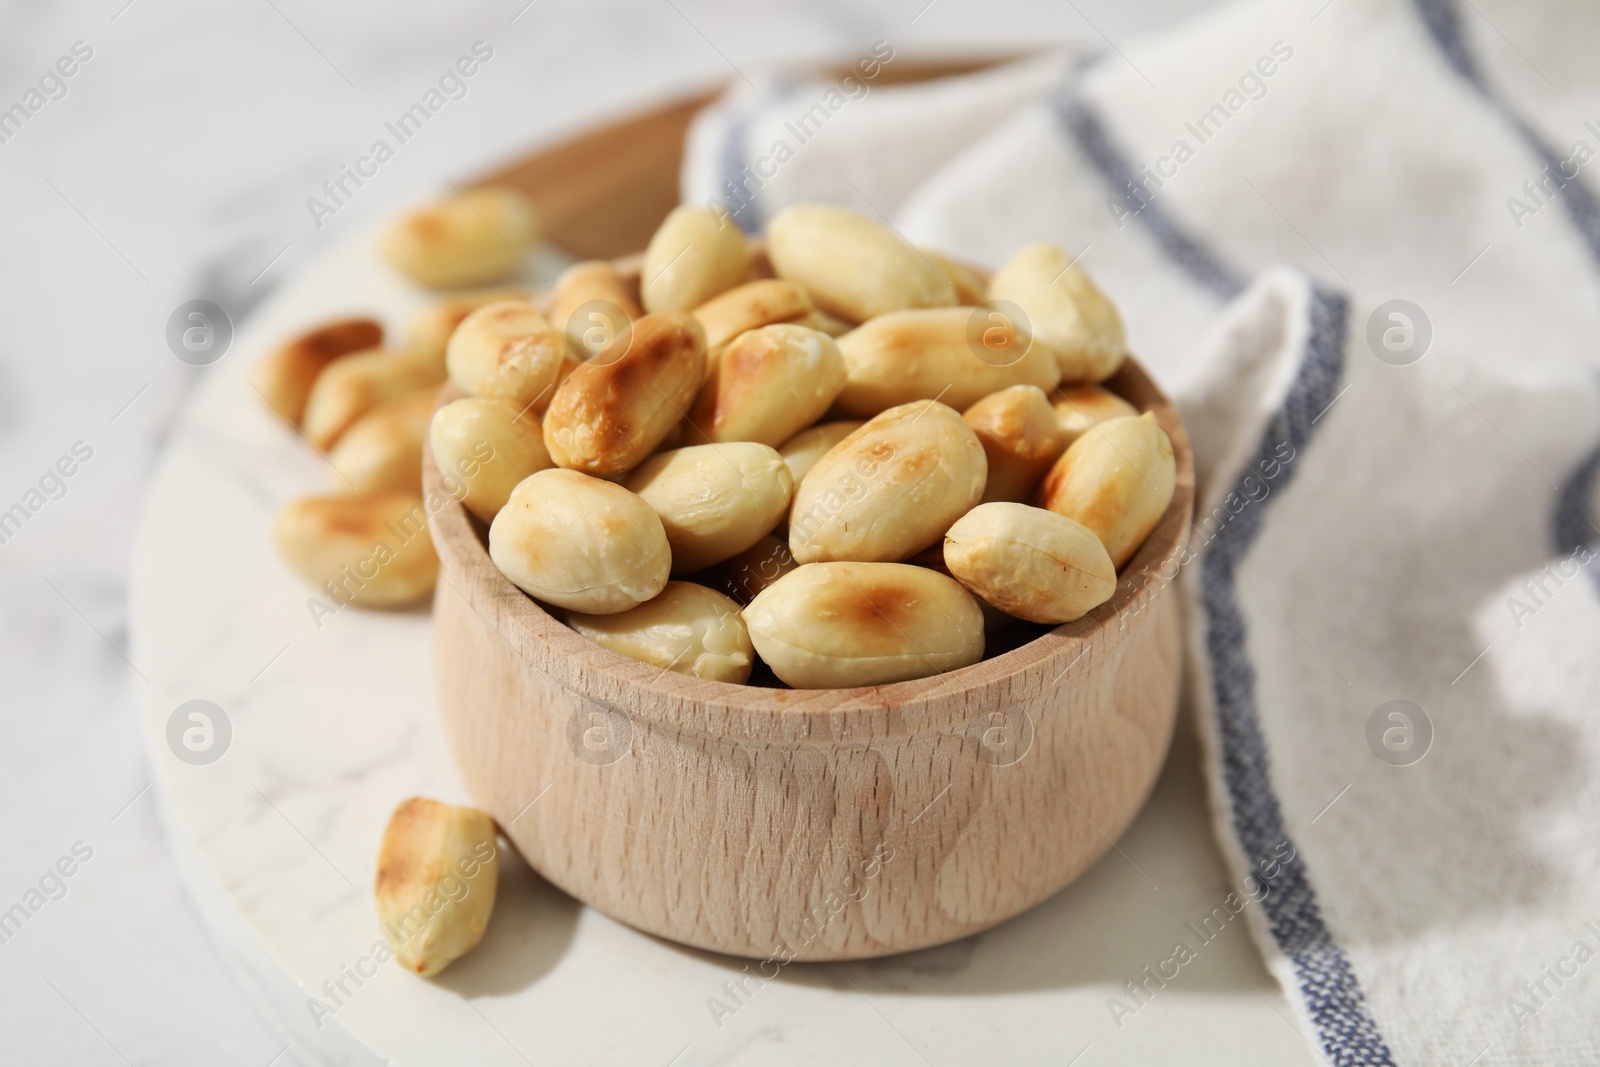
<point>286,376</point>
<point>834,625</point>
<point>1021,437</point>
<point>370,549</point>
<point>890,489</point>
<point>771,383</point>
<point>614,410</point>
<point>354,385</point>
<point>1117,479</point>
<point>466,239</point>
<point>509,350</point>
<point>438,865</point>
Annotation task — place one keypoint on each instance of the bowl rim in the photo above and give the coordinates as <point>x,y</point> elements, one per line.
<point>644,692</point>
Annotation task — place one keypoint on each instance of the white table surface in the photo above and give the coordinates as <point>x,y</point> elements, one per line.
<point>177,166</point>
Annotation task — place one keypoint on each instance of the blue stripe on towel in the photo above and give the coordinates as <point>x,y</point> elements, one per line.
<point>1570,524</point>
<point>740,197</point>
<point>1443,20</point>
<point>741,188</point>
<point>1328,984</point>
<point>1202,263</point>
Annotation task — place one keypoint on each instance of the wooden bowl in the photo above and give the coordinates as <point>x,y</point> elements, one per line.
<point>812,824</point>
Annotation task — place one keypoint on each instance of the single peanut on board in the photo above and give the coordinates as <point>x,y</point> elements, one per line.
<point>372,550</point>
<point>437,871</point>
<point>470,238</point>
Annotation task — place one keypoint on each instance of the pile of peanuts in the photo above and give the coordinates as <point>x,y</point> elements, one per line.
<point>839,453</point>
<point>367,407</point>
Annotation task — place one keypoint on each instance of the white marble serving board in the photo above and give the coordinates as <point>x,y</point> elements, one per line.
<point>333,725</point>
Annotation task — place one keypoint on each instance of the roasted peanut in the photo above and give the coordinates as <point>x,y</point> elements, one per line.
<point>715,501</point>
<point>490,445</point>
<point>1079,407</point>
<point>511,351</point>
<point>383,449</point>
<point>437,869</point>
<point>969,287</point>
<point>696,254</point>
<point>371,550</point>
<point>743,576</point>
<point>750,307</point>
<point>354,385</point>
<point>769,384</point>
<point>1021,438</point>
<point>428,332</point>
<point>802,451</point>
<point>823,322</point>
<point>608,308</point>
<point>613,410</point>
<point>835,625</point>
<point>1068,313</point>
<point>1117,479</point>
<point>954,354</point>
<point>471,238</point>
<point>284,378</point>
<point>673,439</point>
<point>994,620</point>
<point>853,267</point>
<point>890,489</point>
<point>688,629</point>
<point>580,543</point>
<point>1031,563</point>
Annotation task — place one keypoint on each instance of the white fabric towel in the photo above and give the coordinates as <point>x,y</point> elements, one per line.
<point>1359,242</point>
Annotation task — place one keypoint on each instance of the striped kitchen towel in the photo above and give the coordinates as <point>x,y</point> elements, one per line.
<point>1360,241</point>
